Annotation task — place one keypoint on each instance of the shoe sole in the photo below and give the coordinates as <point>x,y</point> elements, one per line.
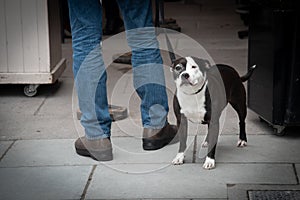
<point>153,147</point>
<point>96,155</point>
<point>156,145</point>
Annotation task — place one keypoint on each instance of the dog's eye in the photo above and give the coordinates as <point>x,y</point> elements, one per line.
<point>194,67</point>
<point>178,67</point>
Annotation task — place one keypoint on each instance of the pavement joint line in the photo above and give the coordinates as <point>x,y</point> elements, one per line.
<point>40,106</point>
<point>195,150</point>
<point>88,183</point>
<point>113,164</point>
<point>5,152</point>
<point>296,174</point>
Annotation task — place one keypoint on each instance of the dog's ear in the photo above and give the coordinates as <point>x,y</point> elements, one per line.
<point>174,63</point>
<point>202,63</point>
<point>207,64</point>
<point>172,67</point>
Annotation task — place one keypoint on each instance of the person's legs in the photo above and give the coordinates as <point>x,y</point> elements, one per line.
<point>88,67</point>
<point>148,73</point>
<point>147,65</point>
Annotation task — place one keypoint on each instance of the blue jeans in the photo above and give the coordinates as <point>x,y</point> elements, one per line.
<point>89,69</point>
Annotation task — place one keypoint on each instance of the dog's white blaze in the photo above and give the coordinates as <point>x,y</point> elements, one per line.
<point>192,106</point>
<point>190,62</point>
<point>195,73</point>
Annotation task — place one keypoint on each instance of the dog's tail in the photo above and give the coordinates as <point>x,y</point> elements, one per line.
<point>249,74</point>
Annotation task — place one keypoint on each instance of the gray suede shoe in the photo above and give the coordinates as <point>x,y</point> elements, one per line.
<point>100,149</point>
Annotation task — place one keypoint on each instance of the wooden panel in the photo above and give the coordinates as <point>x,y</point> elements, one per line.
<point>14,36</point>
<point>30,35</point>
<point>43,36</point>
<point>34,78</point>
<point>3,46</point>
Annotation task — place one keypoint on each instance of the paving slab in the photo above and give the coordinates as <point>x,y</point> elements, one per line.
<point>27,153</point>
<point>170,182</point>
<point>4,145</point>
<point>48,115</point>
<point>38,127</point>
<point>261,148</point>
<point>14,102</point>
<point>43,182</point>
<point>59,102</point>
<point>62,152</point>
<point>186,181</point>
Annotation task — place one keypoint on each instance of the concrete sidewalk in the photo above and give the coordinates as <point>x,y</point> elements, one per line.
<point>38,159</point>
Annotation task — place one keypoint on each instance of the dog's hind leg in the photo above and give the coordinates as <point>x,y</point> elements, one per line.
<point>241,109</point>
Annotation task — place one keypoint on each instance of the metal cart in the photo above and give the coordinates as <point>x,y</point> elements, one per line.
<point>274,46</point>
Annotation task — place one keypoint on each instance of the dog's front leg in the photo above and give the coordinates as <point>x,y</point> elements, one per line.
<point>212,139</point>
<point>182,131</point>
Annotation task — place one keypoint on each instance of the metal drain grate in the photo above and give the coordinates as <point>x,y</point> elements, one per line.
<point>274,195</point>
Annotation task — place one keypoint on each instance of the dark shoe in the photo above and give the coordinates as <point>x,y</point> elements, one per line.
<point>116,113</point>
<point>100,149</point>
<point>122,58</point>
<point>154,139</point>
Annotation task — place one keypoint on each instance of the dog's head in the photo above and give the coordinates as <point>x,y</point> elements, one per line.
<point>189,73</point>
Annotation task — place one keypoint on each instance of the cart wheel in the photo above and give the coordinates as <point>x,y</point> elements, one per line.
<point>30,90</point>
<point>279,131</point>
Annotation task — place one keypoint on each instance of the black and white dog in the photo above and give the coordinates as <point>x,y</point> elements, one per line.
<point>203,91</point>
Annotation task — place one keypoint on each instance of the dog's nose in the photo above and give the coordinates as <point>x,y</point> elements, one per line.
<point>186,75</point>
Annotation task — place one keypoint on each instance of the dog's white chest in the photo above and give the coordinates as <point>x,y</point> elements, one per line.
<point>192,106</point>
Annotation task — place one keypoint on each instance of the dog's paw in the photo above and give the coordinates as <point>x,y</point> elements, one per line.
<point>209,163</point>
<point>241,143</point>
<point>204,144</point>
<point>178,160</point>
